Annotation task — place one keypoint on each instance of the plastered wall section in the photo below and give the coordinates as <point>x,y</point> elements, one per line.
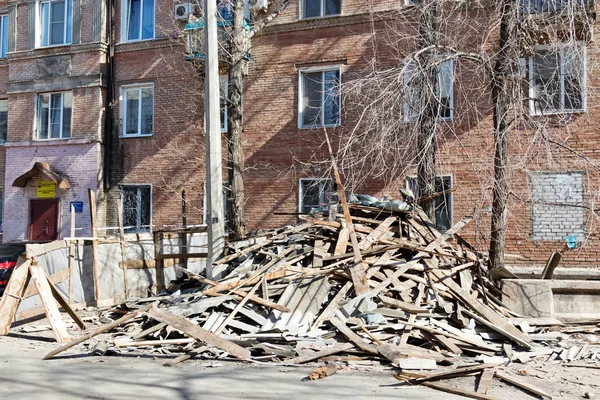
<point>78,163</point>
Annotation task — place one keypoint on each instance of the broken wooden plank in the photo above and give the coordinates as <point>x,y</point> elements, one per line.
<point>460,392</point>
<point>523,385</point>
<point>65,305</point>
<point>354,338</point>
<point>194,331</point>
<point>98,331</point>
<point>9,302</point>
<point>336,348</point>
<point>485,380</point>
<point>233,313</point>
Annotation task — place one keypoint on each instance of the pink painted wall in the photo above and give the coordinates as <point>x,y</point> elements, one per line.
<point>78,162</point>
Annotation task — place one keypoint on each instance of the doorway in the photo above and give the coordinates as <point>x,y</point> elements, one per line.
<point>43,224</point>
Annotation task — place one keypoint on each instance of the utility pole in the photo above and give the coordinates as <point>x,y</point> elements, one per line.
<point>214,174</point>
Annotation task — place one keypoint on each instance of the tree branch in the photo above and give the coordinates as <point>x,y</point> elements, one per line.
<point>261,24</point>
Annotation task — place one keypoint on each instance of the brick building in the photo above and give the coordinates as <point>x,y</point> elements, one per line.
<point>99,95</point>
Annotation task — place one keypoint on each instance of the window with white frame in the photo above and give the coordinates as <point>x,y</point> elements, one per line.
<point>321,8</point>
<point>413,83</point>
<point>137,207</point>
<point>137,108</point>
<point>553,6</point>
<point>557,80</point>
<point>315,193</point>
<point>53,115</point>
<point>320,98</point>
<point>223,90</point>
<point>137,20</point>
<point>55,19</point>
<point>3,121</point>
<point>3,35</point>
<point>443,202</point>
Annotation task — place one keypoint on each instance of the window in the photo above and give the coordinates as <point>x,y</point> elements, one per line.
<point>444,91</point>
<point>3,121</point>
<point>557,80</point>
<point>55,22</point>
<point>553,6</point>
<point>320,98</point>
<point>3,35</point>
<point>138,20</point>
<point>137,208</point>
<point>137,110</point>
<point>53,115</point>
<point>443,202</point>
<point>223,89</point>
<point>316,193</point>
<point>321,8</point>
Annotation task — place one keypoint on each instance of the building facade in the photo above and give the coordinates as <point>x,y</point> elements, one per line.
<point>102,95</point>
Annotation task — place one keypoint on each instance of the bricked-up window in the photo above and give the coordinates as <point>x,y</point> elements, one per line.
<point>315,193</point>
<point>3,121</point>
<point>557,206</point>
<point>444,90</point>
<point>137,108</point>
<point>137,208</point>
<point>443,202</point>
<point>557,80</point>
<point>321,8</point>
<point>137,20</point>
<point>320,98</point>
<point>223,88</point>
<point>53,115</point>
<point>55,19</point>
<point>3,35</point>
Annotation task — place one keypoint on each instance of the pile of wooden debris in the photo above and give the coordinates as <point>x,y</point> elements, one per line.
<point>373,283</point>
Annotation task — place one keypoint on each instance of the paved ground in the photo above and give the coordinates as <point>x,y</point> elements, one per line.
<point>25,376</point>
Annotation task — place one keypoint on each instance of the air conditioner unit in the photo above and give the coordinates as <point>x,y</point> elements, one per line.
<point>181,11</point>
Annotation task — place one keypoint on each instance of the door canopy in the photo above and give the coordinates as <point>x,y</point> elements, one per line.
<point>44,169</point>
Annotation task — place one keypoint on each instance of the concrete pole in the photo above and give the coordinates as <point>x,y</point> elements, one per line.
<point>214,174</point>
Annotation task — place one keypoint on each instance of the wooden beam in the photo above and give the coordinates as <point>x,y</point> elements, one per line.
<point>9,302</point>
<point>523,385</point>
<point>460,392</point>
<point>65,305</point>
<point>95,264</point>
<point>196,332</point>
<point>237,308</point>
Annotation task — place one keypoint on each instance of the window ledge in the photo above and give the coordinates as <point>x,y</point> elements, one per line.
<point>135,136</point>
<point>321,17</point>
<point>134,45</point>
<point>56,51</point>
<point>49,142</point>
<point>551,113</point>
<point>307,128</point>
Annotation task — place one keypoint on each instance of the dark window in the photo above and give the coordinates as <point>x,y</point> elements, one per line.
<point>137,208</point>
<point>3,121</point>
<point>321,8</point>
<point>316,193</point>
<point>320,99</point>
<point>443,202</point>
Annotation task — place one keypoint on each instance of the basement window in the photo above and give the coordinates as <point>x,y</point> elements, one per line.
<point>444,91</point>
<point>53,115</point>
<point>320,8</point>
<point>319,97</point>
<point>557,80</point>
<point>137,208</point>
<point>315,193</point>
<point>443,202</point>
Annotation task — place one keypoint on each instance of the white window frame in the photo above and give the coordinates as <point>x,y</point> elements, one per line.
<point>322,13</point>
<point>303,182</point>
<point>405,106</point>
<point>39,23</point>
<point>125,22</point>
<point>224,90</point>
<point>532,94</point>
<point>411,2</point>
<point>450,195</point>
<point>123,108</point>
<point>301,73</point>
<point>138,227</point>
<point>62,113</point>
<point>3,37</point>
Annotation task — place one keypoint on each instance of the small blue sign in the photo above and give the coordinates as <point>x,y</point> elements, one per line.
<point>572,242</point>
<point>77,205</point>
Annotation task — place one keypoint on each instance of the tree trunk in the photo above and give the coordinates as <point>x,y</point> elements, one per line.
<point>503,91</point>
<point>426,139</point>
<point>237,224</point>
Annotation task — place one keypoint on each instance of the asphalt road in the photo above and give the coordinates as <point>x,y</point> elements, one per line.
<point>23,375</point>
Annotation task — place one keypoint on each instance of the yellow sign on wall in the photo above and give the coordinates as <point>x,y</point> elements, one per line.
<point>46,190</point>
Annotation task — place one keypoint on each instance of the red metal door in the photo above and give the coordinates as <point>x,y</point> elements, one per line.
<point>44,220</point>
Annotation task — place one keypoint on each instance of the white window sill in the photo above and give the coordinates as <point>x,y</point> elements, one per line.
<point>312,127</point>
<point>135,136</point>
<point>137,40</point>
<point>549,113</point>
<point>320,17</point>
<point>51,46</point>
<point>51,140</point>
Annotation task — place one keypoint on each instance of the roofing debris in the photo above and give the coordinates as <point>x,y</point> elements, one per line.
<point>431,310</point>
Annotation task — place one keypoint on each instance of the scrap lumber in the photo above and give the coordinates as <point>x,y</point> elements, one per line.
<point>102,329</point>
<point>9,302</point>
<point>528,387</point>
<point>485,380</point>
<point>458,391</point>
<point>337,348</point>
<point>194,331</point>
<point>65,304</point>
<point>323,372</point>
